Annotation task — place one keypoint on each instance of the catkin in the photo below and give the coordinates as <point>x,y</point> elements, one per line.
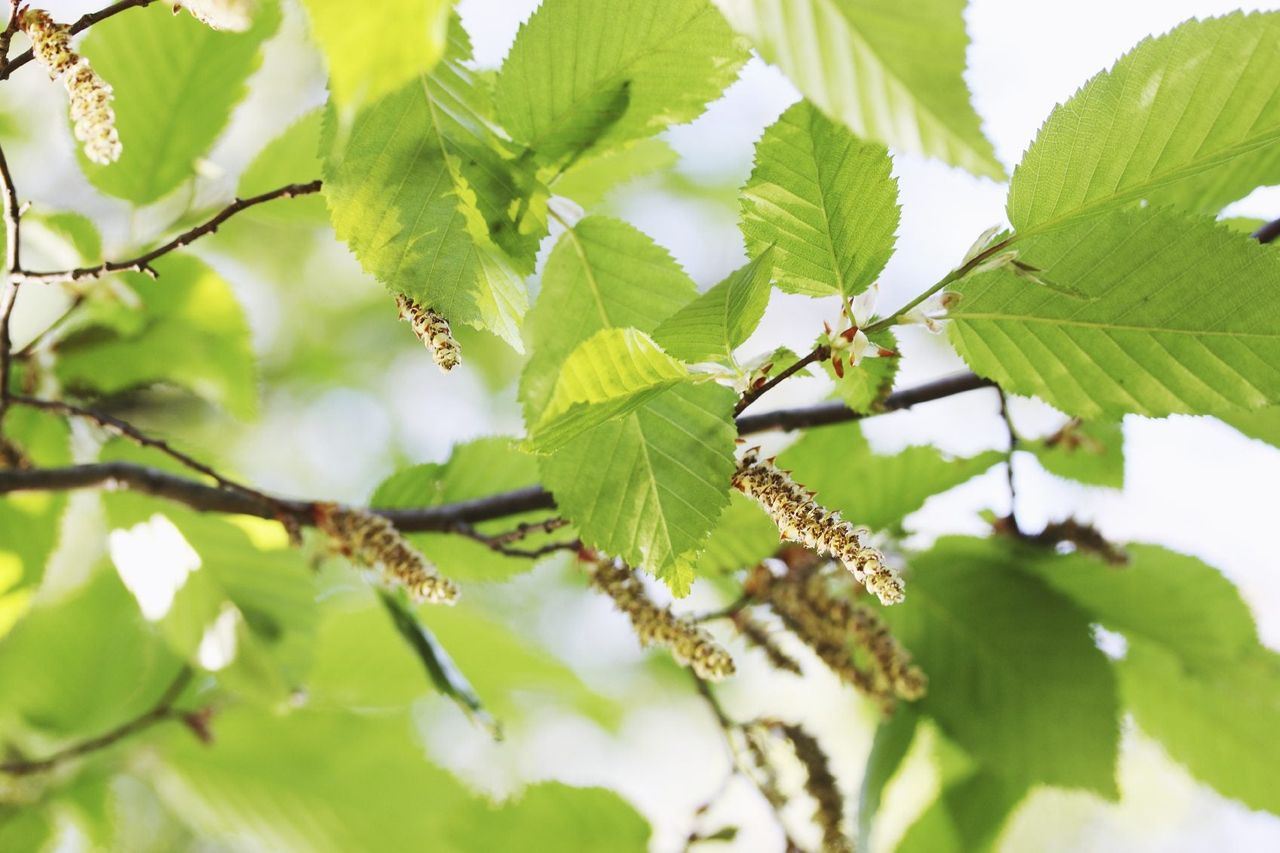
<point>758,635</point>
<point>820,783</point>
<point>802,519</point>
<point>690,645</point>
<point>373,541</point>
<point>835,629</point>
<point>90,96</point>
<point>434,332</point>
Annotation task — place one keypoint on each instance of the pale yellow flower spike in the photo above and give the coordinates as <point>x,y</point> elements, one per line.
<point>434,332</point>
<point>690,645</point>
<point>373,541</point>
<point>95,120</point>
<point>802,519</point>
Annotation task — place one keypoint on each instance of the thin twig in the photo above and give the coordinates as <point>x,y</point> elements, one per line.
<point>1268,233</point>
<point>12,264</point>
<point>123,428</point>
<point>498,543</point>
<point>819,353</point>
<point>142,263</point>
<point>84,23</point>
<point>161,711</point>
<point>1008,461</point>
<point>6,37</point>
<point>443,518</point>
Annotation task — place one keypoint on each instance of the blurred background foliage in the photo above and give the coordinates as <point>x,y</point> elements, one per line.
<point>267,352</point>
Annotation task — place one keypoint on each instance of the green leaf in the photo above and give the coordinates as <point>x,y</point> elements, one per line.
<point>279,781</point>
<point>634,67</point>
<point>602,274</point>
<point>245,608</point>
<point>512,673</point>
<point>825,199</point>
<point>420,189</point>
<point>719,321</point>
<point>82,664</point>
<point>649,487</point>
<point>1187,119</point>
<point>474,470</point>
<point>867,488</point>
<point>443,672</point>
<point>176,81</point>
<point>1161,598</point>
<point>290,158</point>
<point>607,376</point>
<point>742,537</point>
<point>966,817</point>
<point>1168,314</point>
<point>865,64</point>
<point>1091,452</point>
<point>893,740</point>
<point>30,522</point>
<point>1220,723</point>
<point>190,331</point>
<point>374,50</point>
<point>592,178</point>
<point>1262,424</point>
<point>1014,676</point>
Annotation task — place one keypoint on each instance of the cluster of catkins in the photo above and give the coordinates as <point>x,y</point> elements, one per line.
<point>690,645</point>
<point>95,121</point>
<point>841,633</point>
<point>802,519</point>
<point>433,330</point>
<point>373,541</point>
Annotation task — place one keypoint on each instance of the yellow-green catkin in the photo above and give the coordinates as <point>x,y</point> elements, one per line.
<point>802,519</point>
<point>90,96</point>
<point>820,784</point>
<point>758,635</point>
<point>373,541</point>
<point>434,332</point>
<point>690,645</point>
<point>842,633</point>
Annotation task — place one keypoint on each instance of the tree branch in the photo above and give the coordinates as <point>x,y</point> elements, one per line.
<point>445,518</point>
<point>12,264</point>
<point>142,263</point>
<point>159,712</point>
<point>1268,233</point>
<point>817,354</point>
<point>84,23</point>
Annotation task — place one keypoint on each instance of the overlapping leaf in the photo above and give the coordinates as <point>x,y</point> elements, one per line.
<point>375,50</point>
<point>1090,452</point>
<point>1148,312</point>
<point>602,274</point>
<point>1014,676</point>
<point>176,81</point>
<point>825,200</point>
<point>871,489</point>
<point>1189,118</point>
<point>190,331</point>
<point>607,376</point>
<point>422,193</point>
<point>637,66</point>
<point>719,321</point>
<point>864,63</point>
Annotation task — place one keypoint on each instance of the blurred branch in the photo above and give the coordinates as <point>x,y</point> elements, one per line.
<point>444,518</point>
<point>1268,233</point>
<point>12,265</point>
<point>86,21</point>
<point>161,711</point>
<point>1008,460</point>
<point>142,263</point>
